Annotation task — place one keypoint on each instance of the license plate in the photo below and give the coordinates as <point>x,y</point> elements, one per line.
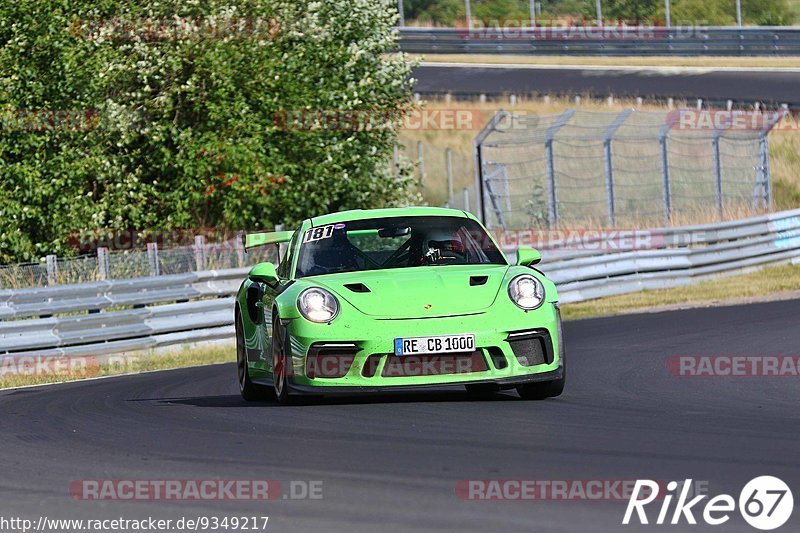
<point>440,344</point>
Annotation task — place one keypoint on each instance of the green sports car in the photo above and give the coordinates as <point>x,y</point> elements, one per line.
<point>389,299</point>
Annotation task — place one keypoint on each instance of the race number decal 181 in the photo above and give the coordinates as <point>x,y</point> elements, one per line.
<point>317,234</point>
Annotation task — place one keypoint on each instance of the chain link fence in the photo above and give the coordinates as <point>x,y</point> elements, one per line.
<point>627,169</point>
<point>137,263</point>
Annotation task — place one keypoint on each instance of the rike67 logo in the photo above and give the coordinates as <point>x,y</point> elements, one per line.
<point>765,503</point>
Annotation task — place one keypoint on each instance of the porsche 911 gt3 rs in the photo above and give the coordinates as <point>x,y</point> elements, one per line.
<point>389,299</point>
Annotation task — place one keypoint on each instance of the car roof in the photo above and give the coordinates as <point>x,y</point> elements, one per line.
<point>363,214</point>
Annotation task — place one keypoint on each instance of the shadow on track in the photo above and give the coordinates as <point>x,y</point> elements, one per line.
<point>234,400</point>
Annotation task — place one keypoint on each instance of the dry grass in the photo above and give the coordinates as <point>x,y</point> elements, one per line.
<point>771,281</point>
<point>134,363</point>
<point>785,164</point>
<point>628,61</point>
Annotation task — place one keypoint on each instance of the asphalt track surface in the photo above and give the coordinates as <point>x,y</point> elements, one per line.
<point>713,85</point>
<point>391,463</point>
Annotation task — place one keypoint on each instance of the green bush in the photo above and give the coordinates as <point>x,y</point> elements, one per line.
<point>185,127</point>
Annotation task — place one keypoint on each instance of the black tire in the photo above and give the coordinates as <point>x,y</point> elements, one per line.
<point>280,364</point>
<point>545,389</point>
<point>250,391</point>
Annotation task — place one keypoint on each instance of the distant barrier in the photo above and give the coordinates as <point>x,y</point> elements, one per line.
<point>675,41</point>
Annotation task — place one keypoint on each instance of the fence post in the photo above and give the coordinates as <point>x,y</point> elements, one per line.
<point>239,245</point>
<point>282,246</point>
<point>477,145</point>
<point>767,170</point>
<point>552,204</point>
<point>449,158</point>
<point>421,163</point>
<point>103,266</point>
<point>717,172</point>
<point>52,270</point>
<point>609,172</point>
<point>609,167</point>
<point>762,189</point>
<point>552,196</point>
<point>152,259</point>
<point>200,252</point>
<point>665,174</point>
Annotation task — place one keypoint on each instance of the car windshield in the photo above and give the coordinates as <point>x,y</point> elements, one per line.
<point>403,242</point>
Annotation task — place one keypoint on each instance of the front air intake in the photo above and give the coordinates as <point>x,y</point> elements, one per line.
<point>330,360</point>
<point>532,347</point>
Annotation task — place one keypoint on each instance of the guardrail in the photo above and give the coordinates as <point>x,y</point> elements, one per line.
<point>679,256</point>
<point>590,40</point>
<point>117,316</point>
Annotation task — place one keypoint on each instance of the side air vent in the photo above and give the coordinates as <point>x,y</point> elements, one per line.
<point>357,287</point>
<point>478,280</point>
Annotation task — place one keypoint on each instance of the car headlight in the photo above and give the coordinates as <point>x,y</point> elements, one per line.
<point>318,305</point>
<point>526,291</point>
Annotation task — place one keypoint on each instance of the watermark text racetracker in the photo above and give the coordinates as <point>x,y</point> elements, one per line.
<point>194,490</point>
<point>731,366</point>
<point>602,490</point>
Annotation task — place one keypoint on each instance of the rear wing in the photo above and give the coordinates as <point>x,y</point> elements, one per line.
<point>254,240</point>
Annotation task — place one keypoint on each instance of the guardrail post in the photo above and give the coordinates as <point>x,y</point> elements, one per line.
<point>152,259</point>
<point>103,266</point>
<point>665,185</point>
<point>52,270</point>
<point>200,252</point>
<point>717,173</point>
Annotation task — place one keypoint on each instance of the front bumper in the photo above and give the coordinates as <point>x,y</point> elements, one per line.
<point>371,348</point>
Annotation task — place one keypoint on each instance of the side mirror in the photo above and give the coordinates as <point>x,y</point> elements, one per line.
<point>264,272</point>
<point>527,256</point>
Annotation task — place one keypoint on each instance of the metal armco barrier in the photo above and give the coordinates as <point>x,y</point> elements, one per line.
<point>117,316</point>
<point>610,41</point>
<point>680,256</point>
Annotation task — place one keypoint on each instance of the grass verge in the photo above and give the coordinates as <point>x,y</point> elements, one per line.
<point>624,61</point>
<point>39,371</point>
<point>768,283</point>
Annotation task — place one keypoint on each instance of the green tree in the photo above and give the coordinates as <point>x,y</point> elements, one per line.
<point>186,119</point>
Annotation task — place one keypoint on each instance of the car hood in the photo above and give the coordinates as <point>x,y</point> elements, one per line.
<point>421,292</point>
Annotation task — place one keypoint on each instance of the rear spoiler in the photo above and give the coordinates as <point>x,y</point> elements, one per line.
<point>254,240</point>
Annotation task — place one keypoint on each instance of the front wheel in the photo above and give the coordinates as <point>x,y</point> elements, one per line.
<point>544,389</point>
<point>280,364</point>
